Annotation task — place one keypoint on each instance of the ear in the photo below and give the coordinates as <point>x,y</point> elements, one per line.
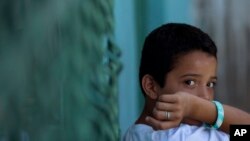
<point>149,86</point>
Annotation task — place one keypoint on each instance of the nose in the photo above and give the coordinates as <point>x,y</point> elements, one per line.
<point>204,93</point>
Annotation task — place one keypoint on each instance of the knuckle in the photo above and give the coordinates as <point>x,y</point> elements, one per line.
<point>157,105</point>
<point>161,97</point>
<point>157,115</point>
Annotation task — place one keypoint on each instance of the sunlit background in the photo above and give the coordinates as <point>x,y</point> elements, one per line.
<point>69,68</point>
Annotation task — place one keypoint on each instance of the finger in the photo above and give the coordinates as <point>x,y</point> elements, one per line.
<point>156,124</point>
<point>165,115</point>
<point>161,125</point>
<point>170,98</point>
<point>165,106</point>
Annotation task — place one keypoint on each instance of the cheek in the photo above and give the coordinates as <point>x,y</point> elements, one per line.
<point>169,88</point>
<point>207,94</point>
<point>173,87</point>
<point>192,91</point>
<point>211,93</point>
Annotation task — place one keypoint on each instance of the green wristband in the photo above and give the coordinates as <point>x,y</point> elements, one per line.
<point>220,116</point>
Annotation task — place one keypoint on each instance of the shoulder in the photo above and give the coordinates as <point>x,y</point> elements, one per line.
<point>202,133</point>
<point>138,132</point>
<point>185,132</point>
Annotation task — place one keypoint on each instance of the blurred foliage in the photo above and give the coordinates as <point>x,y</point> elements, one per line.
<point>58,71</point>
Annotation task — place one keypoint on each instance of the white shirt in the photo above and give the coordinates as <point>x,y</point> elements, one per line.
<point>185,132</point>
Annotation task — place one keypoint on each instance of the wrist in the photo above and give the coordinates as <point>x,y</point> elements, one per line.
<point>220,115</point>
<point>192,106</point>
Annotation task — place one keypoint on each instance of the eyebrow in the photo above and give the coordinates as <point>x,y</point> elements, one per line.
<point>196,75</point>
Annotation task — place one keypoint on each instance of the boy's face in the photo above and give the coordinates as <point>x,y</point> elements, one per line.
<point>194,73</point>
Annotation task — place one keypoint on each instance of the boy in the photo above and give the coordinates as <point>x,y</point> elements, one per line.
<point>177,76</point>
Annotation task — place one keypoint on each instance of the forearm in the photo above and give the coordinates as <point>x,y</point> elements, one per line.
<point>234,116</point>
<point>202,110</point>
<point>205,111</point>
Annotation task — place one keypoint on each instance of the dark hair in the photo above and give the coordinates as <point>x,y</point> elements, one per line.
<point>164,45</point>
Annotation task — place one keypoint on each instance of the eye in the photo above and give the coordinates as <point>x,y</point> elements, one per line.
<point>211,84</point>
<point>190,83</point>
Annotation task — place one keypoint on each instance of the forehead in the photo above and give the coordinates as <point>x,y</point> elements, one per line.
<point>196,61</point>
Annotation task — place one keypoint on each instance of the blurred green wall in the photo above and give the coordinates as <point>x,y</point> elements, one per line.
<point>58,71</point>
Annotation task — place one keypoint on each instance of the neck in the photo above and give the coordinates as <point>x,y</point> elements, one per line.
<point>147,111</point>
